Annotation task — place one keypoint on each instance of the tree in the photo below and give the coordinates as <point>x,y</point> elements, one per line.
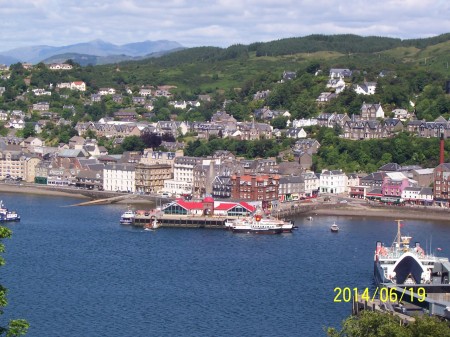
<point>28,130</point>
<point>133,143</point>
<point>279,122</point>
<point>151,139</point>
<point>16,327</point>
<point>374,324</point>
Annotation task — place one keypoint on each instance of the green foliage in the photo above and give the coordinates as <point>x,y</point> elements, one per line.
<point>375,324</point>
<point>17,327</point>
<point>28,130</point>
<point>369,155</point>
<point>133,143</point>
<point>263,148</point>
<point>279,122</point>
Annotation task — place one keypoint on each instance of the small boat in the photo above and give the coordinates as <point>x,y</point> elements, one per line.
<point>127,218</point>
<point>334,228</point>
<point>310,218</point>
<point>6,215</point>
<point>150,226</point>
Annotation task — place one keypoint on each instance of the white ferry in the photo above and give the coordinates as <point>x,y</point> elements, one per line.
<point>403,264</point>
<point>258,225</point>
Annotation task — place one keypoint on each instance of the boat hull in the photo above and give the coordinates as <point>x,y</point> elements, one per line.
<point>258,231</point>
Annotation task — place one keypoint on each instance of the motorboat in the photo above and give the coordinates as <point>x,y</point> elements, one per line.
<point>7,215</point>
<point>334,228</point>
<point>127,218</point>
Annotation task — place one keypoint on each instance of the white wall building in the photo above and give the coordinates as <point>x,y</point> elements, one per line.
<point>119,177</point>
<point>183,175</point>
<point>334,182</point>
<point>312,183</point>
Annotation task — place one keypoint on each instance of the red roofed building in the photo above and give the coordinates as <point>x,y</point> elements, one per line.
<point>78,85</point>
<point>208,207</point>
<point>263,188</point>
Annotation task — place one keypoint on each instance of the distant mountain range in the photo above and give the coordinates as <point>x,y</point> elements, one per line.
<point>93,52</point>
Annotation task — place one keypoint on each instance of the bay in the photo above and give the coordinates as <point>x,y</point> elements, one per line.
<point>74,271</point>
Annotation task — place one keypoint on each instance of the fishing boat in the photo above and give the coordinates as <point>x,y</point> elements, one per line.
<point>7,215</point>
<point>406,264</point>
<point>334,228</point>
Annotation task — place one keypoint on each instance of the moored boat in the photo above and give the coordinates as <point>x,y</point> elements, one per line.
<point>403,264</point>
<point>6,215</point>
<point>152,225</point>
<point>127,218</point>
<point>256,224</point>
<point>334,228</point>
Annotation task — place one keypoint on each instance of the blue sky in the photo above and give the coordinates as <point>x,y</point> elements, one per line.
<point>214,22</point>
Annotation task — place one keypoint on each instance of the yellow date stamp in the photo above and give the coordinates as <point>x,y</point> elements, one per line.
<point>348,294</point>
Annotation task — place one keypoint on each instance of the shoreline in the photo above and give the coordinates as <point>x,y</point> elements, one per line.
<point>357,210</point>
<point>399,212</point>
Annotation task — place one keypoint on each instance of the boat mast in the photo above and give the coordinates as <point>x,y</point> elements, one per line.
<point>398,232</point>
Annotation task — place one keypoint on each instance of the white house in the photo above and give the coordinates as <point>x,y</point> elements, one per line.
<point>106,91</point>
<point>15,124</point>
<point>60,66</point>
<point>417,194</point>
<point>178,104</point>
<point>296,133</point>
<point>342,73</point>
<point>367,88</point>
<point>183,175</point>
<point>299,123</point>
<point>402,114</point>
<point>41,92</point>
<point>333,182</point>
<point>119,177</point>
<point>145,92</point>
<point>312,183</point>
<point>78,85</point>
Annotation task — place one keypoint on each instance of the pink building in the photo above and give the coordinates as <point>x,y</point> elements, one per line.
<point>394,183</point>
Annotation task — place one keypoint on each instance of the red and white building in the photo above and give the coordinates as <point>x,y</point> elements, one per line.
<point>208,207</point>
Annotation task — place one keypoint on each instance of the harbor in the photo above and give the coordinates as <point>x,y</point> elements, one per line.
<point>118,273</point>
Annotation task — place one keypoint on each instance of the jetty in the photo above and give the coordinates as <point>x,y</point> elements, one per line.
<point>435,303</point>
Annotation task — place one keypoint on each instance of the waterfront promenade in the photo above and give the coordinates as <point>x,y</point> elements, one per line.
<point>351,207</point>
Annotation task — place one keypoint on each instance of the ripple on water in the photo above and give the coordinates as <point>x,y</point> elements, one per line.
<point>75,272</point>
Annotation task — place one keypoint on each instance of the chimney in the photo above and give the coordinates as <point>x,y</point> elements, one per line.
<point>441,152</point>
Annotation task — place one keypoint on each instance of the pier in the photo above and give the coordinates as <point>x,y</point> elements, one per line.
<point>409,302</point>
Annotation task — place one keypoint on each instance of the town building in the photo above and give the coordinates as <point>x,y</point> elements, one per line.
<point>442,184</point>
<point>150,178</point>
<point>333,181</point>
<point>291,188</point>
<point>119,177</point>
<point>262,188</point>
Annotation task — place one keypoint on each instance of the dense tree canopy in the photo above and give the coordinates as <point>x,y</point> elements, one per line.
<point>375,324</point>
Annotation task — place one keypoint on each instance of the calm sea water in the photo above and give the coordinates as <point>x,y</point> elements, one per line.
<point>75,271</point>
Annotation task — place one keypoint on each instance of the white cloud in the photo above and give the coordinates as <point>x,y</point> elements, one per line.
<point>215,22</point>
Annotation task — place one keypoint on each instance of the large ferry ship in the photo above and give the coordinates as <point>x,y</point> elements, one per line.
<point>406,264</point>
<point>259,225</point>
